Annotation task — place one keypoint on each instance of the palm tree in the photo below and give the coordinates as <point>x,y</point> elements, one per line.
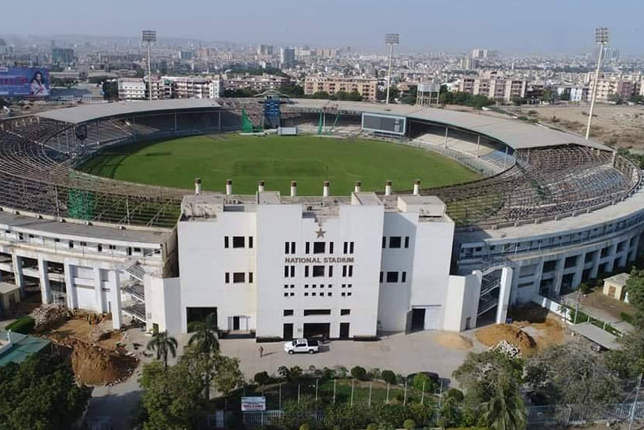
<point>505,409</point>
<point>163,344</point>
<point>205,336</point>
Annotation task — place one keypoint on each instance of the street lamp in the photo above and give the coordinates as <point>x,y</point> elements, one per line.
<point>391,39</point>
<point>601,38</point>
<point>148,37</point>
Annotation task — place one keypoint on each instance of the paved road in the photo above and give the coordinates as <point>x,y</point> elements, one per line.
<point>401,353</point>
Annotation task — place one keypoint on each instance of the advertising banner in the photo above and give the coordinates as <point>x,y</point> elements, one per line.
<point>24,82</point>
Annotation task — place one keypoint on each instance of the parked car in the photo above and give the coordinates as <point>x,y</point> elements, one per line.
<point>302,346</point>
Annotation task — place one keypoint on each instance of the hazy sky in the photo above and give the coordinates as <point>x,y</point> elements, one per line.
<point>431,25</point>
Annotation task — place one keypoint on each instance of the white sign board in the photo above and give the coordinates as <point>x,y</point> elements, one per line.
<point>253,404</point>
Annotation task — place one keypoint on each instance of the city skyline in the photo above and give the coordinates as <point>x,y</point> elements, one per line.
<point>500,25</point>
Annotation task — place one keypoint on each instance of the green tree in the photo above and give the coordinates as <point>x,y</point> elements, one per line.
<point>173,398</point>
<point>228,377</point>
<point>635,289</point>
<point>571,375</point>
<point>205,336</point>
<point>389,376</point>
<point>505,409</point>
<point>450,413</point>
<point>40,393</point>
<point>163,344</point>
<point>422,382</point>
<point>480,371</point>
<point>628,361</point>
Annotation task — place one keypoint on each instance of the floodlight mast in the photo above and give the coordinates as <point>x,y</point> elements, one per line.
<point>601,38</point>
<point>391,39</point>
<point>148,37</point>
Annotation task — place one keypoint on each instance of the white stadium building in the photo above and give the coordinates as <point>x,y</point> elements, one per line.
<point>551,211</point>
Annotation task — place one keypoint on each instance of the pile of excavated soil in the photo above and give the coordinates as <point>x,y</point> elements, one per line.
<point>453,341</point>
<point>493,334</point>
<point>48,317</point>
<point>94,365</point>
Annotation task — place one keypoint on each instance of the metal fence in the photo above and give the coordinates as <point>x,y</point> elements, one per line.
<point>579,414</point>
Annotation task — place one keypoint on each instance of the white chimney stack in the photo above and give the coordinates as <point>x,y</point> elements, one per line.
<point>388,188</point>
<point>197,186</point>
<point>325,189</point>
<point>229,187</point>
<point>358,187</point>
<point>260,186</point>
<point>293,188</point>
<point>417,187</point>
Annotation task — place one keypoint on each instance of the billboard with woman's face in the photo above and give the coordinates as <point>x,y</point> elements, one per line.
<point>24,82</point>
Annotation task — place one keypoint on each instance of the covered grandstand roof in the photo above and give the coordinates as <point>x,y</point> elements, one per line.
<point>88,112</point>
<point>515,133</point>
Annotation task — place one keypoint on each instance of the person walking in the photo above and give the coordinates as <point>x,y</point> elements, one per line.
<point>261,351</point>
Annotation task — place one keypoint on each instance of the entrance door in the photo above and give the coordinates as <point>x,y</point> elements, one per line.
<point>288,331</point>
<point>235,323</point>
<point>418,319</point>
<point>317,330</point>
<point>344,330</point>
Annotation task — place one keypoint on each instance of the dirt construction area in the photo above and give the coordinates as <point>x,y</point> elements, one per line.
<point>531,331</point>
<point>97,351</point>
<point>617,126</point>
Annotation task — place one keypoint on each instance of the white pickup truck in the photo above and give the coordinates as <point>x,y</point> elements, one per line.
<point>302,346</point>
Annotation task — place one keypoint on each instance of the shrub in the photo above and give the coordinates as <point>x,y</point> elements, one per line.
<point>262,378</point>
<point>359,372</point>
<point>455,394</point>
<point>341,372</point>
<point>585,288</point>
<point>389,376</point>
<point>23,325</point>
<point>372,426</point>
<point>409,424</point>
<point>305,426</point>
<point>423,383</point>
<point>374,373</point>
<point>626,317</point>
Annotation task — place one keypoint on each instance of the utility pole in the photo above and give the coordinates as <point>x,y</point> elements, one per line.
<point>391,39</point>
<point>637,394</point>
<point>601,38</point>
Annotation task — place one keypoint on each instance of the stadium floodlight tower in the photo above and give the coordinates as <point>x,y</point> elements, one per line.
<point>601,38</point>
<point>391,39</point>
<point>149,37</point>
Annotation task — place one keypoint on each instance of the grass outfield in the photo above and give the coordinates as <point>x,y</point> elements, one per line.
<point>307,159</point>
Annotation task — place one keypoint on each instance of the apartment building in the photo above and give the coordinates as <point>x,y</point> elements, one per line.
<point>366,87</point>
<point>260,83</point>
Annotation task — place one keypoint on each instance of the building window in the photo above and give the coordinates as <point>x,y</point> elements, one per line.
<point>227,277</point>
<point>395,241</point>
<point>330,271</point>
<point>331,248</point>
<point>351,247</point>
<point>318,271</point>
<point>239,277</point>
<point>250,242</point>
<point>288,312</point>
<point>384,242</point>
<point>307,247</point>
<point>239,241</point>
<point>308,312</point>
<point>250,277</point>
<point>403,277</point>
<point>306,271</point>
<point>406,241</point>
<point>286,248</point>
<point>392,276</point>
<point>345,311</point>
<point>382,275</point>
<point>225,241</point>
<point>319,247</point>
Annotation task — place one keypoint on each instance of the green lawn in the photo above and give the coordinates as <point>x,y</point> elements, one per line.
<point>307,159</point>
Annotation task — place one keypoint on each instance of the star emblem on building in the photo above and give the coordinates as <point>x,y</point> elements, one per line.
<point>320,232</point>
